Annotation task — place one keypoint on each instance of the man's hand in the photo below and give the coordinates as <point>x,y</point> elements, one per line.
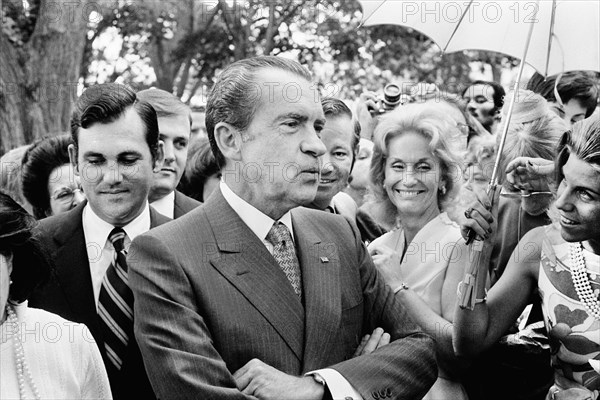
<point>367,109</point>
<point>372,342</point>
<point>267,383</point>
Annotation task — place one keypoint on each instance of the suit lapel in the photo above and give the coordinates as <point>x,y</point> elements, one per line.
<point>157,218</point>
<point>73,269</point>
<point>245,262</point>
<point>321,284</point>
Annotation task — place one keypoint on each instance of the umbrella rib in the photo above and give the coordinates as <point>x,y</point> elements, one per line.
<point>550,36</point>
<point>457,25</point>
<point>370,15</point>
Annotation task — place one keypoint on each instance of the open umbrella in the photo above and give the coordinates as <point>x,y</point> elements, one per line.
<point>550,35</point>
<point>565,34</point>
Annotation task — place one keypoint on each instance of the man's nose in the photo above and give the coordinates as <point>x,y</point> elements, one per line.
<point>169,150</point>
<point>112,174</point>
<point>78,197</point>
<point>313,145</point>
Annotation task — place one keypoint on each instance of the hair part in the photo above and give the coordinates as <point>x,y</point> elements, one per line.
<point>107,102</point>
<point>165,104</point>
<point>233,98</point>
<point>583,142</point>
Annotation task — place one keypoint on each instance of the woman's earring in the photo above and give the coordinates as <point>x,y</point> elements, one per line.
<point>443,190</point>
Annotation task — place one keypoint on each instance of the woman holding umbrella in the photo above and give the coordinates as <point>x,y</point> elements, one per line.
<point>561,262</point>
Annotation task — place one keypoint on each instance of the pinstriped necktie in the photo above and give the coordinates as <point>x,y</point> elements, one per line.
<point>115,305</point>
<point>285,255</point>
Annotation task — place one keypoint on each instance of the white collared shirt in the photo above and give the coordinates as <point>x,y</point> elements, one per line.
<point>258,222</point>
<point>99,249</point>
<point>165,205</point>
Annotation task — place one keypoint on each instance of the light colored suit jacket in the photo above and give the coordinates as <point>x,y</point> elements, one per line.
<point>209,297</point>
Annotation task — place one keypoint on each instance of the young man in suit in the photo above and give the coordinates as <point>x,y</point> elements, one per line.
<point>174,124</point>
<point>116,152</point>
<point>251,296</point>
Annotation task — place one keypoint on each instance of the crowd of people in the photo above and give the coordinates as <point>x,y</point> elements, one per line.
<point>262,248</point>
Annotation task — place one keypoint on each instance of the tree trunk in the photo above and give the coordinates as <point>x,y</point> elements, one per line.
<point>38,82</point>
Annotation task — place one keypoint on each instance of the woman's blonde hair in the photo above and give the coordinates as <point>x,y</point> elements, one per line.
<point>428,121</point>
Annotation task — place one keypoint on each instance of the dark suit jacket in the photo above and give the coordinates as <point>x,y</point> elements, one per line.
<point>69,294</point>
<point>209,297</point>
<point>183,204</point>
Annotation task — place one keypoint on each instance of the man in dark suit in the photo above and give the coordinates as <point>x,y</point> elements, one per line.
<point>115,152</point>
<point>174,125</point>
<point>243,298</point>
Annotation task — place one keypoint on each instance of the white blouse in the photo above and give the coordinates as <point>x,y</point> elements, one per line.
<point>63,358</point>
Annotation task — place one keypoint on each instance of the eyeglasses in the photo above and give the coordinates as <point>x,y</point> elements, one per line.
<point>523,194</point>
<point>66,195</point>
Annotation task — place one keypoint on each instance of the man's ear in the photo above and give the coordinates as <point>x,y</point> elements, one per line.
<point>160,156</point>
<point>229,140</point>
<point>73,158</point>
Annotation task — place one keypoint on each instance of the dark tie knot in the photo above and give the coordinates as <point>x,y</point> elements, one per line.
<point>279,233</point>
<point>117,238</point>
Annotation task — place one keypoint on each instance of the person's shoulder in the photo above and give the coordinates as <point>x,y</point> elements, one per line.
<point>45,318</point>
<point>385,238</point>
<point>173,229</point>
<point>318,217</point>
<point>184,204</point>
<point>52,225</point>
<point>187,200</point>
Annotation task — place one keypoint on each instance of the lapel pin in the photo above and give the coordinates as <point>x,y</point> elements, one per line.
<point>324,259</point>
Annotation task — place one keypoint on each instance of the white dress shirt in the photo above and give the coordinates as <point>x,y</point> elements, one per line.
<point>260,224</point>
<point>99,249</point>
<point>165,205</point>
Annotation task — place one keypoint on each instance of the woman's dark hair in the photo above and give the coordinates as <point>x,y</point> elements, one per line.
<point>30,261</point>
<point>579,85</point>
<point>38,163</point>
<point>200,165</point>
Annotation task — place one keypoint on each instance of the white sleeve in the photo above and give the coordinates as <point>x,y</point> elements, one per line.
<point>337,385</point>
<point>95,383</point>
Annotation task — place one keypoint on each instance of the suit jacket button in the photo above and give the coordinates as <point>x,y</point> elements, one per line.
<point>375,395</point>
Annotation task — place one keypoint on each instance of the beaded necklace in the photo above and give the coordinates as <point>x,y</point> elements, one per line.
<point>581,282</point>
<point>23,372</point>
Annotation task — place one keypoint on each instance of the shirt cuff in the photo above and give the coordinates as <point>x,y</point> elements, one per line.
<point>338,386</point>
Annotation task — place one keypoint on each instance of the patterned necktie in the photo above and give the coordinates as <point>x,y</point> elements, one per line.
<point>115,305</point>
<point>285,255</point>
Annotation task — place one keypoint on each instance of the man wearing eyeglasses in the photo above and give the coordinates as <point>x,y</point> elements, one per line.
<point>116,152</point>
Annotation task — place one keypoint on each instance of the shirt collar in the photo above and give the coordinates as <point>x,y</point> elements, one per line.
<point>165,205</point>
<point>258,222</point>
<point>96,230</point>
